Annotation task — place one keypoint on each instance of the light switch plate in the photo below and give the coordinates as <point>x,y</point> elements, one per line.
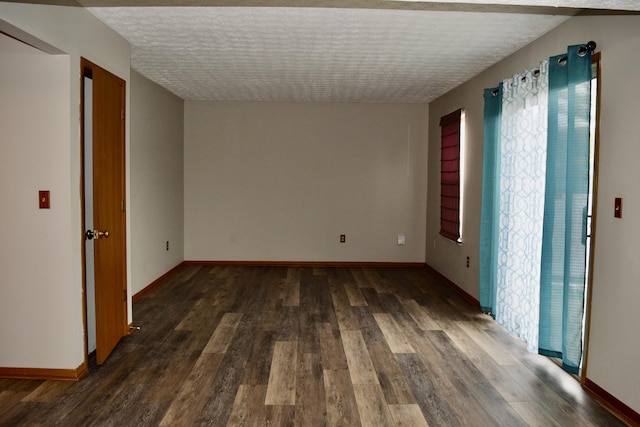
<point>43,199</point>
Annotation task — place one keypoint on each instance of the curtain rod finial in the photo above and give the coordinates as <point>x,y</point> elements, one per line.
<point>591,45</point>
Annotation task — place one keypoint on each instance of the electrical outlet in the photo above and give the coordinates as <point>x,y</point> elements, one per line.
<point>234,237</point>
<point>167,245</point>
<point>343,238</point>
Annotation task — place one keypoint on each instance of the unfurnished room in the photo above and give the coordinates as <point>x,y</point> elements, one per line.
<point>310,213</point>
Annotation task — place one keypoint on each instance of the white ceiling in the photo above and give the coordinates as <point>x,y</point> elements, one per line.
<point>407,52</point>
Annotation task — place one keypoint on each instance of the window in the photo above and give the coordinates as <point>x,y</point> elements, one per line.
<point>451,130</point>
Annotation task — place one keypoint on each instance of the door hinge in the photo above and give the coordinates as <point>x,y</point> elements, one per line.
<point>125,295</point>
<point>122,205</point>
<point>122,114</point>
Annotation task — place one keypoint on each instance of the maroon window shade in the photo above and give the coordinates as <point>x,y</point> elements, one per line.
<point>450,176</point>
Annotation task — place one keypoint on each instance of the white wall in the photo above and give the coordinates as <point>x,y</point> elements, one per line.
<point>614,345</point>
<point>286,179</point>
<point>157,202</point>
<point>35,249</point>
<point>75,32</point>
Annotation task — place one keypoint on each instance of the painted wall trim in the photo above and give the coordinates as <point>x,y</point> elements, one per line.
<point>610,402</point>
<point>45,373</point>
<point>154,284</point>
<point>457,289</point>
<point>309,264</point>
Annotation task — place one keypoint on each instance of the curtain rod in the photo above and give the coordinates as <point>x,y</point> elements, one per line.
<point>591,45</point>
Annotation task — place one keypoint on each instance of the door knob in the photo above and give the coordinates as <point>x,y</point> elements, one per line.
<point>101,234</point>
<point>96,234</point>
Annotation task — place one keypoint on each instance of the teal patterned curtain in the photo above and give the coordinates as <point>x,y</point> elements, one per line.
<point>490,198</point>
<point>567,189</point>
<point>534,195</point>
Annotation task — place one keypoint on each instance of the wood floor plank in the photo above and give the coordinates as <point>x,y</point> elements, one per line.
<point>341,274</point>
<point>342,409</point>
<point>372,407</point>
<point>551,403</point>
<point>360,366</point>
<point>129,410</point>
<point>343,311</point>
<point>466,390</point>
<point>394,335</point>
<point>533,414</point>
<point>310,409</point>
<point>564,386</point>
<point>259,362</point>
<point>399,277</point>
<point>360,278</point>
<point>291,297</point>
<point>47,392</point>
<point>356,299</point>
<point>22,414</point>
<point>407,416</point>
<point>169,381</point>
<point>21,385</point>
<point>492,371</point>
<point>373,300</point>
<point>488,344</point>
<point>394,385</point>
<point>269,320</point>
<point>10,398</point>
<point>288,324</point>
<point>273,297</point>
<point>194,392</point>
<point>223,334</point>
<point>428,393</point>
<point>80,399</point>
<point>203,311</point>
<point>308,339</point>
<point>279,415</point>
<point>281,389</point>
<point>319,271</point>
<point>225,384</point>
<point>453,389</point>
<point>248,407</point>
<point>315,297</point>
<point>331,348</point>
<point>380,284</point>
<point>367,325</point>
<point>421,316</point>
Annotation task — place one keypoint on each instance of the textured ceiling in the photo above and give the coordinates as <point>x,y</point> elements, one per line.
<point>323,54</point>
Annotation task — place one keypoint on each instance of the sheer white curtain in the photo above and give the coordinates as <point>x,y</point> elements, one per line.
<point>522,186</point>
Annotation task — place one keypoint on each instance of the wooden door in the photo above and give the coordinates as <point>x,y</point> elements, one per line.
<point>109,232</point>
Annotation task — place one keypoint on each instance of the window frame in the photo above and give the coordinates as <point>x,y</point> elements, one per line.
<point>451,150</point>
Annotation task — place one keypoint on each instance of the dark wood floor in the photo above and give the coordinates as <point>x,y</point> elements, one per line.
<point>260,346</point>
